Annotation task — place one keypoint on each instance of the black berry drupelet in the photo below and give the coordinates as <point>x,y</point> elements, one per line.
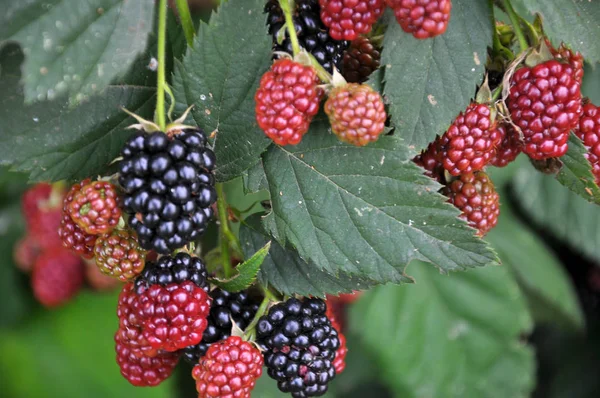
<point>173,269</point>
<point>225,306</point>
<point>300,345</point>
<point>312,34</point>
<point>169,187</point>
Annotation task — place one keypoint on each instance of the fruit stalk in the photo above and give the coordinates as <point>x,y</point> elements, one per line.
<point>159,114</point>
<point>514,19</point>
<point>185,18</point>
<point>287,6</point>
<point>225,232</point>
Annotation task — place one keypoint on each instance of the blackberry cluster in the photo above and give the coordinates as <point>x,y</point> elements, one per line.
<point>173,269</point>
<point>312,34</point>
<point>169,187</point>
<point>225,306</point>
<point>301,345</point>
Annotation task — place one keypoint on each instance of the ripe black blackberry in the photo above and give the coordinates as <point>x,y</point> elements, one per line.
<point>300,345</point>
<point>169,187</point>
<point>173,269</point>
<point>225,306</point>
<point>312,34</point>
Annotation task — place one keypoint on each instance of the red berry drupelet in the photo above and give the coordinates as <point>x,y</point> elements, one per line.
<point>143,371</point>
<point>95,208</point>
<point>72,236</point>
<point>169,187</point>
<point>574,58</point>
<point>356,113</point>
<point>470,142</point>
<point>287,99</point>
<point>360,60</point>
<point>312,35</point>
<point>225,308</point>
<point>423,18</point>
<point>57,277</point>
<point>300,345</point>
<point>346,19</point>
<point>475,195</point>
<point>119,254</point>
<point>545,103</point>
<point>229,369</point>
<point>509,148</point>
<point>431,160</point>
<point>589,133</point>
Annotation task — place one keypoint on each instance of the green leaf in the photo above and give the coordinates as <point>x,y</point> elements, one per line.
<point>576,173</point>
<point>288,273</point>
<point>220,75</point>
<point>565,214</point>
<point>574,22</point>
<point>547,287</point>
<point>428,82</point>
<point>246,272</point>
<point>364,211</point>
<point>71,353</point>
<point>449,336</point>
<point>54,141</point>
<point>255,179</point>
<point>75,47</point>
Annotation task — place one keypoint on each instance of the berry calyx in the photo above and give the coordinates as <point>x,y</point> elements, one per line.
<point>346,19</point>
<point>470,142</point>
<point>143,371</point>
<point>169,187</point>
<point>287,99</point>
<point>230,368</point>
<point>300,345</point>
<point>423,18</point>
<point>509,148</point>
<point>225,309</point>
<point>312,35</point>
<point>589,133</point>
<point>119,254</point>
<point>545,103</point>
<point>475,196</point>
<point>360,60</point>
<point>356,113</point>
<point>57,277</point>
<point>95,208</point>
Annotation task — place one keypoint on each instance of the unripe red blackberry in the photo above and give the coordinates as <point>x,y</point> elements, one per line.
<point>225,309</point>
<point>475,195</point>
<point>143,371</point>
<point>360,60</point>
<point>119,254</point>
<point>287,99</point>
<point>169,187</point>
<point>230,368</point>
<point>57,277</point>
<point>423,18</point>
<point>31,200</point>
<point>431,160</point>
<point>346,19</point>
<point>574,58</point>
<point>312,35</point>
<point>470,142</point>
<point>356,113</point>
<point>95,208</point>
<point>545,103</point>
<point>300,345</point>
<point>589,133</point>
<point>509,148</point>
<point>339,363</point>
<point>72,236</point>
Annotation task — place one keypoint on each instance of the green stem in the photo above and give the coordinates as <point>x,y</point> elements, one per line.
<point>225,232</point>
<point>287,6</point>
<point>261,311</point>
<point>514,19</point>
<point>321,72</point>
<point>186,21</point>
<point>159,115</point>
<point>496,93</point>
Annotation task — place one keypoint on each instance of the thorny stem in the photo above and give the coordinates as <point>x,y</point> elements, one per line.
<point>186,21</point>
<point>514,19</point>
<point>159,115</point>
<point>224,224</point>
<point>287,6</point>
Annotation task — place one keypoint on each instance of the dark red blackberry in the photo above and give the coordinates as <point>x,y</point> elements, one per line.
<point>169,187</point>
<point>173,269</point>
<point>300,346</point>
<point>312,34</point>
<point>225,306</point>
